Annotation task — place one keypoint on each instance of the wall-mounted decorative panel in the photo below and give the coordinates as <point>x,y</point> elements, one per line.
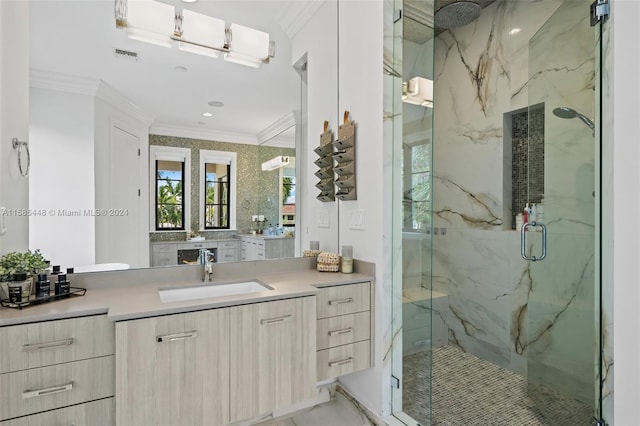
<point>345,158</point>
<point>325,166</point>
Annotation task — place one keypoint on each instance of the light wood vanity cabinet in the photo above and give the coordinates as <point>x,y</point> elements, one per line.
<point>216,366</point>
<point>344,330</point>
<point>272,356</point>
<point>57,372</point>
<point>173,370</point>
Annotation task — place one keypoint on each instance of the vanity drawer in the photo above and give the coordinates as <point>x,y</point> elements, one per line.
<point>95,413</point>
<point>45,388</point>
<point>341,330</point>
<point>52,342</point>
<point>343,299</point>
<point>228,244</point>
<point>344,359</point>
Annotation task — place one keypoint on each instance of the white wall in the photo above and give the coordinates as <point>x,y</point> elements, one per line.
<point>14,118</point>
<point>360,92</point>
<point>62,176</point>
<point>318,40</point>
<point>621,215</point>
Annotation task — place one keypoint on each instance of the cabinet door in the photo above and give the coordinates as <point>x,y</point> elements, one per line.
<point>173,370</point>
<point>273,354</point>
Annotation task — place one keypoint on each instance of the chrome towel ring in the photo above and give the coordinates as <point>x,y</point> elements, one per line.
<point>19,145</point>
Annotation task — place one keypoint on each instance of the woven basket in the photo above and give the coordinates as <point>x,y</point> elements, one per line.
<point>328,262</point>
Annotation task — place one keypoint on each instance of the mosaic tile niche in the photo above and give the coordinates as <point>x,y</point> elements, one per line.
<point>257,191</point>
<point>527,159</point>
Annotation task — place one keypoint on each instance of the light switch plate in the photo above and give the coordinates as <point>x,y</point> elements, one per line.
<point>323,219</point>
<point>356,219</point>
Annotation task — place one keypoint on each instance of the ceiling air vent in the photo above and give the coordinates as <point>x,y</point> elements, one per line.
<point>126,54</point>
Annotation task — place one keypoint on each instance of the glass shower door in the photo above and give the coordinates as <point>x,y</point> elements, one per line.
<point>563,312</point>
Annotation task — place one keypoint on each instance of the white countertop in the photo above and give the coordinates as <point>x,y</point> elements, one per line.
<point>123,302</point>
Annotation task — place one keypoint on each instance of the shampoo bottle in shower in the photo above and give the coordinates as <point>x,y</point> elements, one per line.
<point>525,214</point>
<point>533,213</point>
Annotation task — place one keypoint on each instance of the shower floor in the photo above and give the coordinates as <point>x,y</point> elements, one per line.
<point>469,391</point>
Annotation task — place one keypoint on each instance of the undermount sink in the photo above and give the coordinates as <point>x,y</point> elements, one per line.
<point>213,290</point>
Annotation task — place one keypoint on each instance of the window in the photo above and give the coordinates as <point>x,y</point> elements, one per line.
<point>216,200</point>
<point>417,187</point>
<point>170,183</point>
<point>169,195</point>
<point>218,190</point>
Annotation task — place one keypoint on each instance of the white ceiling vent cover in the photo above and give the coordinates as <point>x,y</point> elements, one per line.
<point>126,54</point>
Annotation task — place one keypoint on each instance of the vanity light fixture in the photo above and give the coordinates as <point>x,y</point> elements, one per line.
<point>275,163</point>
<point>158,23</point>
<point>418,91</point>
<point>146,20</point>
<point>514,31</point>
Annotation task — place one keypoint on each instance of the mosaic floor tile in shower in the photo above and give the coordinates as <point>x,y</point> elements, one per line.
<point>468,391</point>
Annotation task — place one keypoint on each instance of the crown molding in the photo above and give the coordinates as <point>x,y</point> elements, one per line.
<point>41,79</point>
<point>297,14</point>
<point>206,134</point>
<point>275,128</point>
<point>121,102</point>
<point>87,86</point>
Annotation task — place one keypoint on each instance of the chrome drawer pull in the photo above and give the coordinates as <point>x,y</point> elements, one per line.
<point>343,331</point>
<point>278,320</point>
<point>340,301</point>
<point>49,345</point>
<point>177,336</point>
<point>341,362</point>
<point>48,391</point>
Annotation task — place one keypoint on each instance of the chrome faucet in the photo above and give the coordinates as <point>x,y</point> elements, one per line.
<point>206,258</point>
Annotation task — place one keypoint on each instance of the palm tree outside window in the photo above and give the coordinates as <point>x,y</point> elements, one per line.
<point>169,195</point>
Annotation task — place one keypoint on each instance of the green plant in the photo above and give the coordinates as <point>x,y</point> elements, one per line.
<point>28,262</point>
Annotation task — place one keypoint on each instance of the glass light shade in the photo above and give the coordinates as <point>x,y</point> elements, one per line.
<point>150,21</point>
<point>248,46</point>
<point>419,91</point>
<point>205,32</point>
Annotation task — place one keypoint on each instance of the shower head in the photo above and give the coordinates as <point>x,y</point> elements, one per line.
<point>457,14</point>
<point>566,112</point>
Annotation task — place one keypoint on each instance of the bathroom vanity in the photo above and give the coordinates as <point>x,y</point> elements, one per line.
<point>104,359</point>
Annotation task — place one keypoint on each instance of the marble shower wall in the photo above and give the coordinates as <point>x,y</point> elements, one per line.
<point>501,307</point>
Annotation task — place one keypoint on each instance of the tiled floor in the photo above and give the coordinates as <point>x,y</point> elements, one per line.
<point>468,391</point>
<point>338,412</point>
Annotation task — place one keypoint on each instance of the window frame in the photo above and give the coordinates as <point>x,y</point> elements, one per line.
<point>227,202</point>
<point>229,158</point>
<point>167,153</point>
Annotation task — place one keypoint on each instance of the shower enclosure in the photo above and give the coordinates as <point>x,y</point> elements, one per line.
<point>499,325</point>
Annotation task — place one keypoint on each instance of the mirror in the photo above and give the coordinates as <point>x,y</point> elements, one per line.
<point>93,105</point>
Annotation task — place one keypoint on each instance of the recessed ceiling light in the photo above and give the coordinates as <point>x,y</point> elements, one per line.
<point>189,1</point>
<point>216,104</point>
<point>202,123</point>
<point>515,31</point>
<point>180,69</point>
<point>207,114</point>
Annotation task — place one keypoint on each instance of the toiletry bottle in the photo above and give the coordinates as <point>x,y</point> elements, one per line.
<point>540,211</point>
<point>62,286</point>
<point>347,259</point>
<point>43,286</point>
<point>525,214</point>
<point>519,222</point>
<point>532,213</point>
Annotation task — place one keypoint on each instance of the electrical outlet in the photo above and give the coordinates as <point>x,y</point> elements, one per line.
<point>323,219</point>
<point>356,219</point>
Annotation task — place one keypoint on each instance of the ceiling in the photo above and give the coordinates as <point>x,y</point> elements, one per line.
<point>78,37</point>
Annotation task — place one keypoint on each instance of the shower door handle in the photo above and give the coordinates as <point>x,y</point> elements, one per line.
<point>523,241</point>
